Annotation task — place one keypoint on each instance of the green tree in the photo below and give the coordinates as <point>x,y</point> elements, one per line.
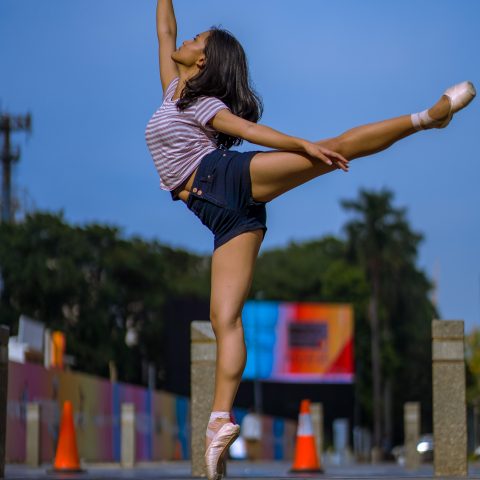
<point>97,287</point>
<point>102,289</point>
<point>472,348</point>
<point>381,242</point>
<point>296,273</point>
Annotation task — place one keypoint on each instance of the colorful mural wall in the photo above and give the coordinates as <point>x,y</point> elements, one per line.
<point>162,419</point>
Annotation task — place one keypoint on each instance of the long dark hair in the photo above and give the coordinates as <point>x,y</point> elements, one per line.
<point>225,76</point>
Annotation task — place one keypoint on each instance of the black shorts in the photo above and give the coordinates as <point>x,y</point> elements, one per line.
<point>221,195</point>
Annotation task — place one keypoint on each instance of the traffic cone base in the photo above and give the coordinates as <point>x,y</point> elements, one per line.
<point>65,470</point>
<point>66,457</point>
<point>306,470</point>
<point>306,458</point>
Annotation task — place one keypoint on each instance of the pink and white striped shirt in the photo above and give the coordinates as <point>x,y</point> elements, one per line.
<point>178,140</point>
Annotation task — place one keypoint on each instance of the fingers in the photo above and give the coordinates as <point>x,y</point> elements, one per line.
<point>329,157</point>
<point>341,164</point>
<point>336,155</point>
<point>334,161</point>
<point>335,158</point>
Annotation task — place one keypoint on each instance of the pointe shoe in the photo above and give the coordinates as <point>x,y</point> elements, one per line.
<point>217,450</point>
<point>459,96</point>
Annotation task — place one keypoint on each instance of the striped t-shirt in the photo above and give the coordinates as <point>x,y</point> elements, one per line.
<point>178,140</point>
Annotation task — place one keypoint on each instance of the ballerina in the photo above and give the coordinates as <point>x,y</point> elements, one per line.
<point>208,107</point>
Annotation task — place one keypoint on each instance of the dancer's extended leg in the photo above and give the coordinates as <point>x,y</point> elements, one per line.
<point>275,172</point>
<point>232,274</point>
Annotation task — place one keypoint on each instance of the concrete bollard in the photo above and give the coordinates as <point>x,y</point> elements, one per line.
<point>449,402</point>
<point>127,458</point>
<point>203,356</point>
<point>33,434</point>
<point>316,413</point>
<point>411,426</point>
<point>362,444</point>
<point>376,455</point>
<point>4,335</point>
<point>341,444</point>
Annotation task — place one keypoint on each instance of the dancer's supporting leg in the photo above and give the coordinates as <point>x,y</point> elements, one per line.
<point>275,172</point>
<point>232,273</point>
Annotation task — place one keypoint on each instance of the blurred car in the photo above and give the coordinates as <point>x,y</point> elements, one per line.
<point>476,453</point>
<point>424,449</point>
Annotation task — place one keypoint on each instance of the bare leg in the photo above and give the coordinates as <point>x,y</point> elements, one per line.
<point>232,274</point>
<point>275,172</point>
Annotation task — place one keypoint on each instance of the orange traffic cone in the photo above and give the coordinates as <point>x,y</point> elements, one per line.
<point>177,454</point>
<point>306,458</point>
<point>66,458</point>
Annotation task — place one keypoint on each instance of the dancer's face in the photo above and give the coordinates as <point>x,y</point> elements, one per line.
<point>191,52</point>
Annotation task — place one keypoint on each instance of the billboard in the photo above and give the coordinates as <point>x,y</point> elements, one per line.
<point>298,342</point>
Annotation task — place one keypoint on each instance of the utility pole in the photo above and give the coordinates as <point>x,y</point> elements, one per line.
<point>8,124</point>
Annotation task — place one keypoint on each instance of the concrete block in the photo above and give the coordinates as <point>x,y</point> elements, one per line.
<point>127,455</point>
<point>449,402</point>
<point>316,412</point>
<point>203,356</point>
<point>33,434</point>
<point>411,422</point>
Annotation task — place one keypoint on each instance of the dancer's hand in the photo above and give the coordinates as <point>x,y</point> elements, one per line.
<point>325,155</point>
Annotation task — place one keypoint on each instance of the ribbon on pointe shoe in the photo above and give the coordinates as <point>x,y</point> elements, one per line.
<point>423,120</point>
<point>213,427</point>
<point>459,96</point>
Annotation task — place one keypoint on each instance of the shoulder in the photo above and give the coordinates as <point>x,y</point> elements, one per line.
<point>207,107</point>
<point>206,100</point>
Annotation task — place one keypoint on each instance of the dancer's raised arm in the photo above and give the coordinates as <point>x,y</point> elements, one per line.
<point>226,122</point>
<point>167,38</point>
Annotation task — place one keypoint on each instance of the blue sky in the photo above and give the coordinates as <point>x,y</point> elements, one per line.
<point>87,71</point>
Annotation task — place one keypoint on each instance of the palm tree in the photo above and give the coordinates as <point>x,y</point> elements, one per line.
<point>380,240</point>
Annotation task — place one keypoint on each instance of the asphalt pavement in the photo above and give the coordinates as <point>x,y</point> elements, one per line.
<point>236,469</point>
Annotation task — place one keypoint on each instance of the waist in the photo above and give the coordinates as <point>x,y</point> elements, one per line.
<point>185,185</point>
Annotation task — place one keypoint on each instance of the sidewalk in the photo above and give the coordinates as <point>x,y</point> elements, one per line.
<point>235,469</point>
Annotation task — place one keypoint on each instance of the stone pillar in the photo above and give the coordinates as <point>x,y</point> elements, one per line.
<point>33,434</point>
<point>449,404</point>
<point>341,434</point>
<point>411,428</point>
<point>203,357</point>
<point>316,412</point>
<point>4,335</point>
<point>127,435</point>
<point>376,455</point>
<point>362,444</point>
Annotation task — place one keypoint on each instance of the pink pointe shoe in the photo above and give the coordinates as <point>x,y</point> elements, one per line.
<point>218,448</point>
<point>459,96</point>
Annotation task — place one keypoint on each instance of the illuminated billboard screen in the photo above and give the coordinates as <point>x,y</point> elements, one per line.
<point>298,342</point>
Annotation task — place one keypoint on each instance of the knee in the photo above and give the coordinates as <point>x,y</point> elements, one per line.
<point>224,320</point>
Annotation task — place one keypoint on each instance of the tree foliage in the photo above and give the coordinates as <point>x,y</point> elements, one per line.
<point>472,344</point>
<point>95,286</point>
<point>382,243</point>
<point>102,289</point>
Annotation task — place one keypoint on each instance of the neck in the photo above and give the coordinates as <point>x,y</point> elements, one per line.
<point>185,73</point>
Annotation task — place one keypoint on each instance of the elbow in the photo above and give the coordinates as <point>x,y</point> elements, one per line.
<point>249,131</point>
<point>166,31</point>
